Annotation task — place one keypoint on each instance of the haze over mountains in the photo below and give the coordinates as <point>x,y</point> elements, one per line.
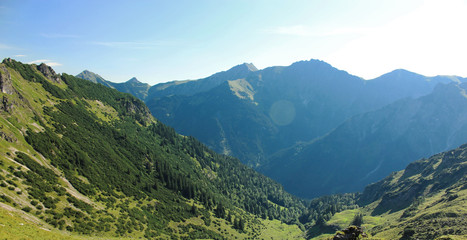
<point>310,122</point>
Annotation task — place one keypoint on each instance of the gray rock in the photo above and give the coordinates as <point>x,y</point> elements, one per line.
<point>49,73</point>
<point>6,85</point>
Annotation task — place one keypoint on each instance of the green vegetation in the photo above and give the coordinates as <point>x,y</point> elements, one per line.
<point>427,200</point>
<point>96,162</point>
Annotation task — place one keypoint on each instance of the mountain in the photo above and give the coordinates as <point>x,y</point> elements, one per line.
<point>371,145</point>
<point>132,86</point>
<point>269,110</point>
<point>307,118</point>
<point>95,78</point>
<point>426,200</point>
<point>91,161</point>
<point>188,88</point>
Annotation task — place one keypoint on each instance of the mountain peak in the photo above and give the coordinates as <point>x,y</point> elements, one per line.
<point>90,76</point>
<point>244,67</point>
<point>250,67</point>
<point>133,80</point>
<point>402,73</point>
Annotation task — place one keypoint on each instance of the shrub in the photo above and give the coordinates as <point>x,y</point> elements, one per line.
<point>27,209</point>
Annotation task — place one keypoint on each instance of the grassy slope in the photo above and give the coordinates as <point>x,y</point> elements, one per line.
<point>427,200</point>
<point>28,113</point>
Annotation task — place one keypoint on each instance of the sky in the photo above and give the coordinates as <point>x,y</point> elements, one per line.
<point>160,41</point>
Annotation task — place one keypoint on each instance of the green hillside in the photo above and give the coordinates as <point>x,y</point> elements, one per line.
<point>83,159</point>
<point>427,200</point>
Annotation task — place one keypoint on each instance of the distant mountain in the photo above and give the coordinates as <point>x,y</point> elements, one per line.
<point>133,87</point>
<point>191,87</point>
<point>95,78</point>
<point>400,84</point>
<point>275,108</point>
<point>371,145</point>
<point>271,119</point>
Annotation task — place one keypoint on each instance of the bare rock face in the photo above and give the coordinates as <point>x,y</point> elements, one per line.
<point>49,73</point>
<point>6,105</point>
<point>137,109</point>
<point>6,85</point>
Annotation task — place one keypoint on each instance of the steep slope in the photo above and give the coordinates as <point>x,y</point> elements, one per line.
<point>242,127</point>
<point>85,158</point>
<point>429,195</point>
<point>426,200</point>
<point>373,144</point>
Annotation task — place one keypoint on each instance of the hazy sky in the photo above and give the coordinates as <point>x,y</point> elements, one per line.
<point>159,41</point>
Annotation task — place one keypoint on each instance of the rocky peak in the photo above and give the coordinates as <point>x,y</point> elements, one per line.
<point>245,67</point>
<point>6,85</point>
<point>48,72</point>
<point>7,60</point>
<point>133,80</point>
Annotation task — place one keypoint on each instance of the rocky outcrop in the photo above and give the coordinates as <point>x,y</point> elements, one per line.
<point>6,105</point>
<point>8,137</point>
<point>350,233</point>
<point>49,73</point>
<point>6,85</point>
<point>136,108</point>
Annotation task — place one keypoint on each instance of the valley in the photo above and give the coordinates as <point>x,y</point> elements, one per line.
<point>82,160</point>
<point>310,122</point>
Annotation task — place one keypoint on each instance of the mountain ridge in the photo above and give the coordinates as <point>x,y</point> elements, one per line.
<point>385,139</point>
<point>89,159</point>
<point>279,108</point>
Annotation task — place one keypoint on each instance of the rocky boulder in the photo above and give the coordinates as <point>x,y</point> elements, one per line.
<point>350,233</point>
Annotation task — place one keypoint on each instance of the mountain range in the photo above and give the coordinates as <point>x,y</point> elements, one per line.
<point>307,120</point>
<point>80,160</point>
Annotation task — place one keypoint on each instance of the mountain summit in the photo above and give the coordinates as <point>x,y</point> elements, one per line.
<point>133,80</point>
<point>242,68</point>
<point>94,77</point>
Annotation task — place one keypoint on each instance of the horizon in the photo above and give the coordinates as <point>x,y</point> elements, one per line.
<point>160,42</point>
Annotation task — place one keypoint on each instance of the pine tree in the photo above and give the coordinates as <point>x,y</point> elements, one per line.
<point>194,209</point>
<point>358,219</point>
<point>241,224</point>
<point>220,211</point>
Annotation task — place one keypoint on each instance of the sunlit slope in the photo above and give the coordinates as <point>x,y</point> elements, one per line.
<point>82,159</point>
<point>427,200</point>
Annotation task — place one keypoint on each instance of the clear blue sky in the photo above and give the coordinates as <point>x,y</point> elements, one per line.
<point>159,41</point>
